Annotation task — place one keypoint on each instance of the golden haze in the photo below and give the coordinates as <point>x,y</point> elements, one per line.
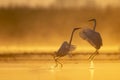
<point>46,29</point>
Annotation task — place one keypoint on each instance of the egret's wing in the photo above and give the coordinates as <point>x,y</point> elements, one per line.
<point>72,47</point>
<point>92,37</point>
<point>64,48</point>
<point>95,41</point>
<point>83,35</point>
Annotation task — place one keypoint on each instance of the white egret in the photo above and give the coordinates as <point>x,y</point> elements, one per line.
<point>65,48</point>
<point>93,37</point>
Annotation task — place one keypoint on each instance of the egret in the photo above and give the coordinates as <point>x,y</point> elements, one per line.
<point>93,37</point>
<point>65,48</point>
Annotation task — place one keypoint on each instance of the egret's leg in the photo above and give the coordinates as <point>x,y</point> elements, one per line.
<point>93,55</point>
<point>55,59</point>
<point>57,62</point>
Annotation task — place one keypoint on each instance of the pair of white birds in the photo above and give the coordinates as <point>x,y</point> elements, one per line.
<point>90,35</point>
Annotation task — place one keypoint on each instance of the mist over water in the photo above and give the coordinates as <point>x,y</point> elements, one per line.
<point>25,26</point>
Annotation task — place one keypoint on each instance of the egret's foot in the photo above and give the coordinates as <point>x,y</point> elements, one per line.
<point>57,64</point>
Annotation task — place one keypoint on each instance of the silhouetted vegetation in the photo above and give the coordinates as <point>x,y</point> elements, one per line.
<point>27,56</point>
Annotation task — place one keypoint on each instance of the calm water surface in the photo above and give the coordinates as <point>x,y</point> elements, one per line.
<point>70,71</point>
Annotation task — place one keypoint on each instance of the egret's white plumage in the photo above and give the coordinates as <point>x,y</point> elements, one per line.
<point>93,37</point>
<point>64,49</point>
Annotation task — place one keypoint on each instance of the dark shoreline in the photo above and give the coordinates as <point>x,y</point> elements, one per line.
<point>33,56</point>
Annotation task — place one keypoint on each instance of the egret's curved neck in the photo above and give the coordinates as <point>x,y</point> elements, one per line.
<point>71,37</point>
<point>94,27</point>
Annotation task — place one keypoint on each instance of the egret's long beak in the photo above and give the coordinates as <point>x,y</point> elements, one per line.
<point>77,28</point>
<point>92,20</point>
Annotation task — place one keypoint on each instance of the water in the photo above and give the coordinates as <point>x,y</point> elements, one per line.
<point>94,70</point>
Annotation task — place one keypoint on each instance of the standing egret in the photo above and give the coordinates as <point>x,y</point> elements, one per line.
<point>65,48</point>
<point>93,37</point>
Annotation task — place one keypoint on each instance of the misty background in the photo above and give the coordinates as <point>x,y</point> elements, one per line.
<point>48,23</point>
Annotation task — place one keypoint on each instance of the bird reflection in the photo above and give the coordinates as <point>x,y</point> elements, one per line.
<point>91,69</point>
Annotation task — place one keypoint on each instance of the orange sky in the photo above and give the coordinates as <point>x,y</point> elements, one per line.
<point>47,3</point>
